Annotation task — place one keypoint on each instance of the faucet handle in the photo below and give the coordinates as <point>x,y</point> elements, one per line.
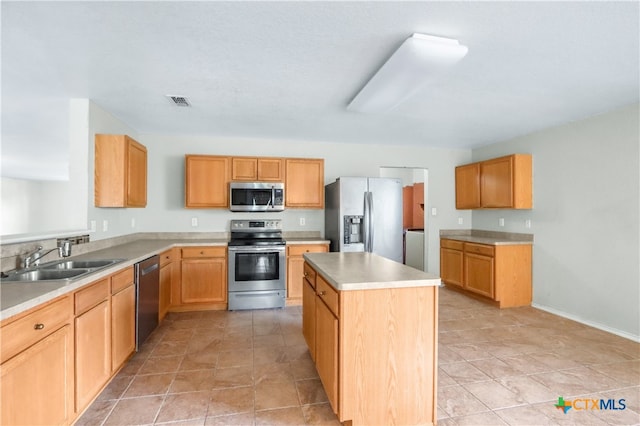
<point>64,247</point>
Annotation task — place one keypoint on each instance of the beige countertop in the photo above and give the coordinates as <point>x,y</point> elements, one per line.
<point>493,238</point>
<point>367,271</point>
<point>17,297</point>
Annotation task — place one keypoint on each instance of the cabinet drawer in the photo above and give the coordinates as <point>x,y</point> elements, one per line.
<point>309,274</point>
<point>91,296</point>
<point>479,249</point>
<point>300,249</point>
<point>166,257</point>
<point>452,244</point>
<point>33,327</point>
<point>327,294</point>
<point>195,252</point>
<point>121,280</point>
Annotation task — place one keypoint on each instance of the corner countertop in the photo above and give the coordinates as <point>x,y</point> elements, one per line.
<point>17,297</point>
<point>494,238</point>
<point>367,271</point>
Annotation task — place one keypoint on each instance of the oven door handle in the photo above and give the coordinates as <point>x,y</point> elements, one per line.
<point>255,249</point>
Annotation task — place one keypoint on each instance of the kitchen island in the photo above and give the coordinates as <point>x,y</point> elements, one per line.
<point>371,327</point>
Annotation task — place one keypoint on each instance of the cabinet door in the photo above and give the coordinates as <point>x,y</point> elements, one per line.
<point>309,317</point>
<point>244,168</point>
<point>468,186</point>
<point>479,274</point>
<point>207,181</point>
<point>496,183</point>
<point>295,267</point>
<point>37,384</point>
<point>327,351</point>
<point>304,185</point>
<point>123,326</point>
<point>271,169</point>
<point>166,274</point>
<point>451,266</point>
<point>418,206</point>
<point>136,174</point>
<point>93,353</point>
<point>204,280</point>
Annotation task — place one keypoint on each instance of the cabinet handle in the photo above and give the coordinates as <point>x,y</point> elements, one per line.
<point>201,252</point>
<point>306,275</point>
<point>322,293</point>
<point>38,326</point>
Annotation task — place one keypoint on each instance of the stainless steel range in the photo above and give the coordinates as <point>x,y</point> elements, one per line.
<point>256,265</point>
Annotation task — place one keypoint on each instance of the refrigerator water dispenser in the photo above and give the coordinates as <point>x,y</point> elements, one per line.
<point>353,229</point>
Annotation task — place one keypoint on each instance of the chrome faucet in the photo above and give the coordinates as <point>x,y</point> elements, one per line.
<point>64,250</point>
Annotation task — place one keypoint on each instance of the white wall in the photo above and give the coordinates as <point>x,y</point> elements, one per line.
<point>35,207</point>
<point>165,206</point>
<point>585,218</point>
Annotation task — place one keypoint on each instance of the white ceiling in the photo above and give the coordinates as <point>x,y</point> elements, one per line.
<point>287,70</point>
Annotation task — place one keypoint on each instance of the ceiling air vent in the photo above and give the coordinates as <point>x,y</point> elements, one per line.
<point>180,101</point>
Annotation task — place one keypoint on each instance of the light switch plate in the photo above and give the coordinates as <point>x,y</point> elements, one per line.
<point>194,221</point>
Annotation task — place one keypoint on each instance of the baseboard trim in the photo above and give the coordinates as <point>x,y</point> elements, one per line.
<point>599,326</point>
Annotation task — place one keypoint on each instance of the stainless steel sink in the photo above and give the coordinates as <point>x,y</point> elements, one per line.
<point>46,275</point>
<point>80,264</point>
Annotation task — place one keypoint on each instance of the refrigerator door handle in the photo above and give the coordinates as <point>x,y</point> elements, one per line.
<point>371,219</point>
<point>367,247</point>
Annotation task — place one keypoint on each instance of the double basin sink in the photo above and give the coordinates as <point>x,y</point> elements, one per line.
<point>60,270</point>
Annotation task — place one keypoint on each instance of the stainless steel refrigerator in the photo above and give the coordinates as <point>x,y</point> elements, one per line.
<point>365,214</point>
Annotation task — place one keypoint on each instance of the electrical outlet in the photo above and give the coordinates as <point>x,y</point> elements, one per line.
<point>302,221</point>
<point>460,221</point>
<point>501,221</point>
<point>133,222</point>
<point>194,222</point>
<point>93,225</point>
<point>105,225</point>
<point>527,223</point>
<point>434,211</point>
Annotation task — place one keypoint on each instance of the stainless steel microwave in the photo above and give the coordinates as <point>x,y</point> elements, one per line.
<point>256,196</point>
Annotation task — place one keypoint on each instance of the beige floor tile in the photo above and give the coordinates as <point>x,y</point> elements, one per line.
<point>525,364</point>
<point>494,395</point>
<point>264,329</point>
<point>553,360</point>
<point>294,339</point>
<point>231,401</point>
<point>269,355</point>
<point>303,369</point>
<point>297,353</point>
<point>236,343</point>
<point>276,395</point>
<point>319,414</point>
<point>201,360</point>
<point>282,416</point>
<point>135,411</point>
<point>528,389</point>
<point>311,391</point>
<point>464,372</point>
<point>471,351</point>
<point>169,348</point>
<point>177,335</point>
<point>559,417</point>
<point>165,364</point>
<point>116,388</point>
<point>152,384</point>
<point>206,343</point>
<point>495,367</point>
<point>268,340</point>
<point>275,372</point>
<point>192,381</point>
<point>233,377</point>
<point>627,373</point>
<point>242,419</point>
<point>524,415</point>
<point>480,419</point>
<point>190,422</point>
<point>184,406</point>
<point>235,358</point>
<point>446,355</point>
<point>457,401</point>
<point>444,379</point>
<point>96,413</point>
<point>565,382</point>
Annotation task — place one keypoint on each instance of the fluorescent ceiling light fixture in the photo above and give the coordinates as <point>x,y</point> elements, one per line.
<point>419,60</point>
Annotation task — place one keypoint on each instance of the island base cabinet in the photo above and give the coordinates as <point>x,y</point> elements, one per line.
<point>327,351</point>
<point>37,384</point>
<point>309,317</point>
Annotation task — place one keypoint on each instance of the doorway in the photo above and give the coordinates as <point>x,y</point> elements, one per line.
<point>415,221</point>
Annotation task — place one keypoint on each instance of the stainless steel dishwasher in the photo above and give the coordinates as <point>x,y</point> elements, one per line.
<point>147,298</point>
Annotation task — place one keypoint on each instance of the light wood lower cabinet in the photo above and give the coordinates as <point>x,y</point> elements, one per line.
<point>295,268</point>
<point>501,273</point>
<point>374,350</point>
<point>204,277</point>
<point>123,318</point>
<point>93,341</point>
<point>166,282</point>
<point>37,374</point>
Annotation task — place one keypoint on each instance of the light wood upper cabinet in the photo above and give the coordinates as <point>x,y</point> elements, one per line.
<point>207,181</point>
<point>304,183</point>
<point>504,182</point>
<point>257,169</point>
<point>37,371</point>
<point>468,186</point>
<point>120,178</point>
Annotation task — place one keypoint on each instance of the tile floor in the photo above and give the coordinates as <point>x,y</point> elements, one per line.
<point>496,367</point>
